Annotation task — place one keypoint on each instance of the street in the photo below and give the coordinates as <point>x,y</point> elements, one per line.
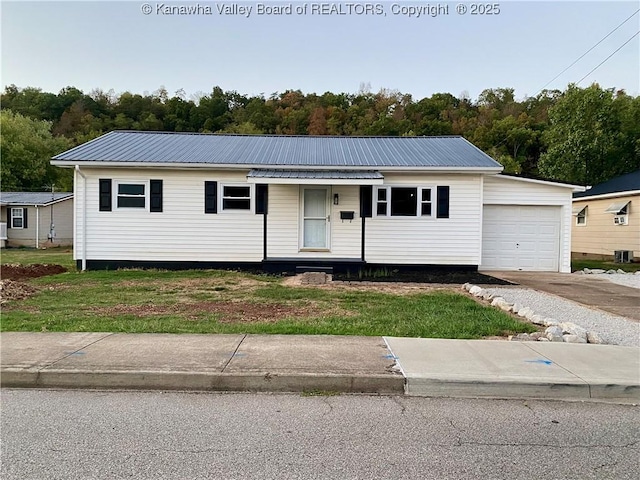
<point>54,434</point>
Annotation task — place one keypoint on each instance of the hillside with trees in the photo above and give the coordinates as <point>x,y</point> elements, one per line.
<point>582,135</point>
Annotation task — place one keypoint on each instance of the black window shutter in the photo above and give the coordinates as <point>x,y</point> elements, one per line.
<point>210,197</point>
<point>105,195</point>
<point>262,198</point>
<point>24,218</point>
<point>366,199</point>
<point>443,202</point>
<point>155,195</point>
<point>9,217</point>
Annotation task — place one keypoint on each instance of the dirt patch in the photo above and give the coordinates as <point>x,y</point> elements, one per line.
<point>229,312</point>
<point>395,288</point>
<point>10,290</point>
<point>22,272</point>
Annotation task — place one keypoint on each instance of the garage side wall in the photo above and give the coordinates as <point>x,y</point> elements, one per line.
<point>508,191</point>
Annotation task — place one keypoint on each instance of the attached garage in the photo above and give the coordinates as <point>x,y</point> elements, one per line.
<point>526,225</point>
<point>521,237</point>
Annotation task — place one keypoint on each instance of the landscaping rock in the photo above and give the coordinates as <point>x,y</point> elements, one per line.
<point>523,312</point>
<point>597,271</point>
<point>573,339</point>
<point>505,306</point>
<point>594,337</point>
<point>549,322</point>
<point>487,296</point>
<point>516,308</point>
<point>497,300</point>
<point>611,271</point>
<point>475,290</point>
<point>536,335</point>
<point>554,334</point>
<point>573,329</point>
<point>621,271</point>
<point>467,286</point>
<point>587,270</point>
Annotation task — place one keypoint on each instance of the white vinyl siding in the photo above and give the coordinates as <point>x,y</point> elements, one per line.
<point>284,223</point>
<point>430,240</point>
<point>503,190</point>
<point>182,232</point>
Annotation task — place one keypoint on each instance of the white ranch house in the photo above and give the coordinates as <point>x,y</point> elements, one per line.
<point>180,200</point>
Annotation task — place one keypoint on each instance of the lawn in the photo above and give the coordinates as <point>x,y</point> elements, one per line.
<point>27,256</point>
<point>230,302</point>
<point>581,264</point>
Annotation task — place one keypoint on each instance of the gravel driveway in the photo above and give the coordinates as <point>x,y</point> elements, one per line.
<point>613,329</point>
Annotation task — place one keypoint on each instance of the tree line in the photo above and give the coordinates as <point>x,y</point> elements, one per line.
<point>579,135</point>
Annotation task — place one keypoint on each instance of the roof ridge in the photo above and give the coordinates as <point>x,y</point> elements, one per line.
<point>276,135</point>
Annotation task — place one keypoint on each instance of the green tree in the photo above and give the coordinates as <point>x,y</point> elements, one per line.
<point>589,139</point>
<point>26,148</point>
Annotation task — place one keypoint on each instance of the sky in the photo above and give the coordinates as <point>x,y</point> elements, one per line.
<point>520,44</point>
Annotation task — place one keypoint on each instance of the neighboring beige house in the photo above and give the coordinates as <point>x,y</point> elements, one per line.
<point>607,219</point>
<point>36,219</point>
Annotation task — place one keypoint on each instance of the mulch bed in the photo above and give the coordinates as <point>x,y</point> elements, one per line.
<point>436,276</point>
<point>22,272</point>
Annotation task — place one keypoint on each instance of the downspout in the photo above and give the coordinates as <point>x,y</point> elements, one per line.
<point>83,249</point>
<point>37,227</point>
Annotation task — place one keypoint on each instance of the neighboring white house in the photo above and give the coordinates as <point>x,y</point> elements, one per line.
<point>177,200</point>
<point>607,220</point>
<point>36,219</point>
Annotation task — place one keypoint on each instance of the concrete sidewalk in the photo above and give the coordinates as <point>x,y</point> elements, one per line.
<point>297,363</point>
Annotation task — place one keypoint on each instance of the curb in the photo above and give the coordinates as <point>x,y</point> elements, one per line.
<point>224,382</point>
<point>575,391</point>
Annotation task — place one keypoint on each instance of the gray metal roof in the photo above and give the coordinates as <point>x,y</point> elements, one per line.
<point>278,150</point>
<point>32,198</point>
<point>317,174</point>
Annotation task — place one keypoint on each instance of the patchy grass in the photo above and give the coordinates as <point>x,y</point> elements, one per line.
<point>580,264</point>
<point>28,256</point>
<point>228,302</point>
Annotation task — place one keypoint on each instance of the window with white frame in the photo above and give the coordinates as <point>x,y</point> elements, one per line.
<point>236,197</point>
<point>581,216</point>
<point>620,210</point>
<point>131,195</point>
<point>404,201</point>
<point>17,218</point>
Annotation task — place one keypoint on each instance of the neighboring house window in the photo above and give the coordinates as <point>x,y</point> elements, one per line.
<point>131,195</point>
<point>17,218</point>
<point>404,201</point>
<point>581,216</point>
<point>620,211</point>
<point>236,197</point>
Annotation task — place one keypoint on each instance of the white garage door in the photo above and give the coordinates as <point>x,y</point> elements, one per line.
<point>520,238</point>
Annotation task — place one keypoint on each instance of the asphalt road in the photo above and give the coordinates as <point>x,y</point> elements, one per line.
<point>154,435</point>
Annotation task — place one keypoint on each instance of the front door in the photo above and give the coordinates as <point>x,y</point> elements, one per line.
<point>315,218</point>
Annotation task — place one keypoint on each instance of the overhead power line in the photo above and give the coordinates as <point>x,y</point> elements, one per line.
<point>602,62</point>
<point>585,53</point>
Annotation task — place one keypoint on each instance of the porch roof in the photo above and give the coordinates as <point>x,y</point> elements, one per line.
<point>317,177</point>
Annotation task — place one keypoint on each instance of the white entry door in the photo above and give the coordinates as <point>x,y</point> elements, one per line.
<point>315,218</point>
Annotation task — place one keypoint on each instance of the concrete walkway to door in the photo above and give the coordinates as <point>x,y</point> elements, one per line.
<point>585,289</point>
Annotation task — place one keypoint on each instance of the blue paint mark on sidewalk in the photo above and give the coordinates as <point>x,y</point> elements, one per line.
<point>542,361</point>
<point>75,353</point>
<point>390,356</point>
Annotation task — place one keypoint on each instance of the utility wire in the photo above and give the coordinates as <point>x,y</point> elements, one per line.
<point>616,51</point>
<point>585,53</point>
